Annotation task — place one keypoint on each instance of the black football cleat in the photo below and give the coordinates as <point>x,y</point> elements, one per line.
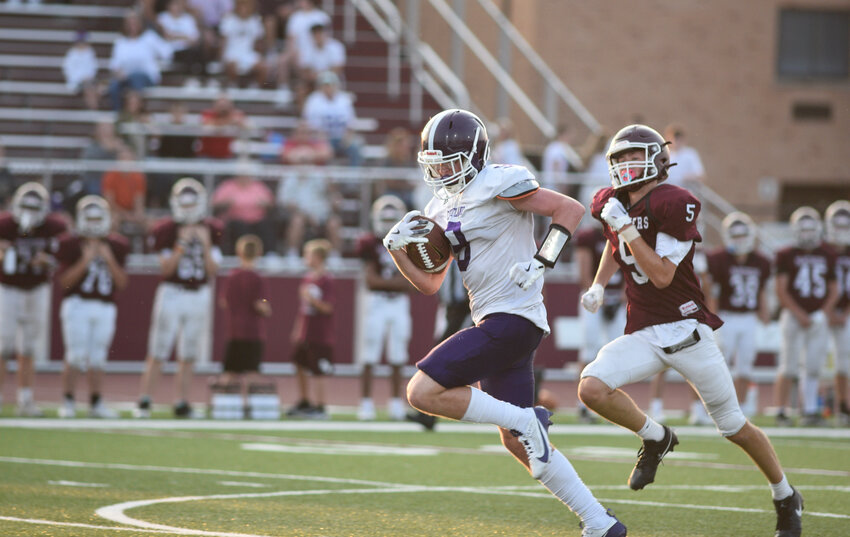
<point>182,410</point>
<point>789,515</point>
<point>649,457</point>
<point>425,420</point>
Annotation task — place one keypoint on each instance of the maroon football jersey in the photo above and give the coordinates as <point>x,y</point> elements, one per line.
<point>97,283</point>
<point>191,271</point>
<point>18,270</point>
<point>740,284</point>
<point>317,327</point>
<point>370,249</point>
<point>665,209</point>
<point>595,241</point>
<point>809,274</point>
<point>242,289</point>
<point>842,276</point>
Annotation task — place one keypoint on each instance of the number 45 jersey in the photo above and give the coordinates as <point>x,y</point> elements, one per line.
<point>666,210</point>
<point>740,283</point>
<point>488,236</point>
<point>97,283</point>
<point>809,274</point>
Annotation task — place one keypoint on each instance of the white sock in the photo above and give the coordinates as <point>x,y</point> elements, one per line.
<point>810,395</point>
<point>651,430</point>
<point>782,489</point>
<point>366,401</point>
<point>562,480</point>
<point>24,396</point>
<point>484,408</point>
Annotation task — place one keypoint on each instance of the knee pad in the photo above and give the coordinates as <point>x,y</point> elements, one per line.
<point>728,420</point>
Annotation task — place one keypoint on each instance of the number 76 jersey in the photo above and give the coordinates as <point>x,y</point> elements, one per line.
<point>97,283</point>
<point>672,211</point>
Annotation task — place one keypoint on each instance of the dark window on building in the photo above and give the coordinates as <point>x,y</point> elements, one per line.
<point>814,45</point>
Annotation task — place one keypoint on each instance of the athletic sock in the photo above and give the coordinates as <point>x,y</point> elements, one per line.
<point>561,479</point>
<point>484,408</point>
<point>651,430</point>
<point>95,399</point>
<point>69,397</point>
<point>24,396</point>
<point>782,489</point>
<point>810,395</point>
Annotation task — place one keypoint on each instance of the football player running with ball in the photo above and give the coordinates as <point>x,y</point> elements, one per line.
<point>651,229</point>
<point>484,374</point>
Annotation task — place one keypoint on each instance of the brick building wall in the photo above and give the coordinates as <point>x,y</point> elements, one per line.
<point>708,65</point>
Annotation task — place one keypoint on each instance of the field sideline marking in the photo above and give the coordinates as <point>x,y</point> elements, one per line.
<point>77,525</point>
<point>381,427</point>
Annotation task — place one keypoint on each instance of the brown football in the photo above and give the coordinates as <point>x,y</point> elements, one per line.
<point>434,255</point>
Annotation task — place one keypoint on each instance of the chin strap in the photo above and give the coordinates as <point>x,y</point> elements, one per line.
<point>554,243</point>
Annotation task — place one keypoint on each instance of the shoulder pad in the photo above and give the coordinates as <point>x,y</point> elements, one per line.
<point>520,189</point>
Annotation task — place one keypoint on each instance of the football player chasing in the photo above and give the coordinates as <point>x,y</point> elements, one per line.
<point>91,270</point>
<point>484,374</point>
<point>651,230</point>
<point>29,237</point>
<point>189,254</point>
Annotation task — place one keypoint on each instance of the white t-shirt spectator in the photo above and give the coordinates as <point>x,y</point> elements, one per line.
<point>140,55</point>
<point>79,66</point>
<point>308,192</point>
<point>554,163</point>
<point>211,11</point>
<point>184,25</point>
<point>241,34</point>
<point>330,115</point>
<point>688,166</point>
<point>299,24</point>
<point>507,152</point>
<point>327,58</point>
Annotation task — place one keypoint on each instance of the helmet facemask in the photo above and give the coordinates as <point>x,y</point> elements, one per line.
<point>740,240</point>
<point>632,172</point>
<point>93,218</point>
<point>807,232</point>
<point>29,210</point>
<point>838,223</point>
<point>188,201</point>
<point>386,212</point>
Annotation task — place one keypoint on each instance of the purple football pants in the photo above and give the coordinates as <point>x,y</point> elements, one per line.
<point>498,353</point>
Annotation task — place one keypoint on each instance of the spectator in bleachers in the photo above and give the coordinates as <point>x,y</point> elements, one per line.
<point>7,181</point>
<point>102,146</point>
<point>134,123</point>
<point>125,189</point>
<point>506,148</point>
<point>80,69</point>
<point>135,59</point>
<point>324,54</point>
<point>222,115</point>
<point>242,32</point>
<point>306,145</point>
<point>274,13</point>
<point>244,204</point>
<point>310,203</point>
<point>298,37</point>
<point>209,14</point>
<point>180,31</point>
<point>555,160</point>
<point>331,111</point>
<point>689,170</point>
<point>170,144</point>
<point>401,153</point>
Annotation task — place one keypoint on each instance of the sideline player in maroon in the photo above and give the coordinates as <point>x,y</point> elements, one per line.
<point>651,228</point>
<point>806,289</point>
<point>91,270</point>
<point>838,236</point>
<point>313,331</point>
<point>28,241</point>
<point>189,254</point>
<point>739,274</point>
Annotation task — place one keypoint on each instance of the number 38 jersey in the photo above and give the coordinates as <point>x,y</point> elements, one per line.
<point>809,274</point>
<point>740,283</point>
<point>488,236</point>
<point>191,270</point>
<point>97,283</point>
<point>673,211</point>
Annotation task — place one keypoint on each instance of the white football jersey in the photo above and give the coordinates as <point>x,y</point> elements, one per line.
<point>488,237</point>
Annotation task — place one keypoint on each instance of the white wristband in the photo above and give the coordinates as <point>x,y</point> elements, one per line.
<point>629,233</point>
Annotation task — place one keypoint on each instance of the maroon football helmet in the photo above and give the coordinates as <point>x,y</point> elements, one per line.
<point>653,165</point>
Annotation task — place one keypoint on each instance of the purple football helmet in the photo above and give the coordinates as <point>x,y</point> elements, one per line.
<point>455,147</point>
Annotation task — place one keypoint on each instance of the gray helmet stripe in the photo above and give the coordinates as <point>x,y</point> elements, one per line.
<point>435,122</point>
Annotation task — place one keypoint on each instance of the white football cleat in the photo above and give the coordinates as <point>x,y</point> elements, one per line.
<point>535,440</point>
<point>29,410</point>
<point>101,411</point>
<point>366,412</point>
<point>396,409</point>
<point>67,410</point>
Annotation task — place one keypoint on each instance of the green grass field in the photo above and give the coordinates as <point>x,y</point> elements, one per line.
<point>335,479</point>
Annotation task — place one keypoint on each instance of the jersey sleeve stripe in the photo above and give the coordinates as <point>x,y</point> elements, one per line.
<point>519,196</point>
